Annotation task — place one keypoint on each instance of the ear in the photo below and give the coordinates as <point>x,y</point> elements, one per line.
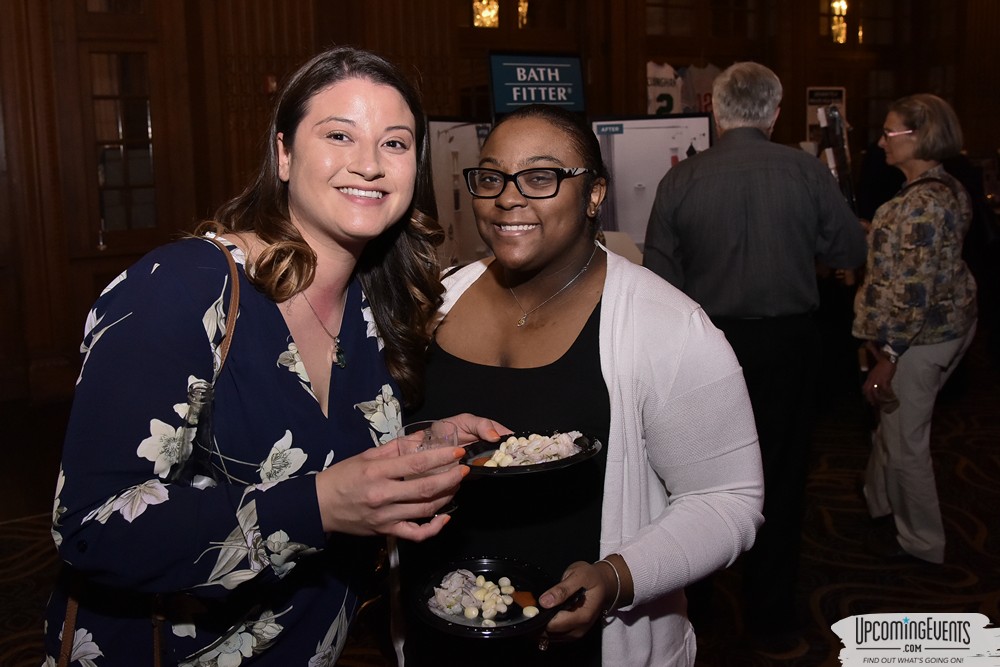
<point>774,121</point>
<point>597,194</point>
<point>284,157</point>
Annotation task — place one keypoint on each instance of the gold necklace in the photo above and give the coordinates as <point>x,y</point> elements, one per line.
<point>338,354</point>
<point>525,313</point>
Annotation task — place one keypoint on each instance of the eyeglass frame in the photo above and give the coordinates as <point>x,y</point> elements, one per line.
<point>562,173</point>
<point>889,134</point>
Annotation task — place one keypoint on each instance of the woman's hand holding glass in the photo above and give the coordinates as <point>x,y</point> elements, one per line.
<point>430,434</point>
<point>384,490</point>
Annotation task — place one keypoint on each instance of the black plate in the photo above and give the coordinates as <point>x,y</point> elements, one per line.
<point>588,446</point>
<point>523,577</point>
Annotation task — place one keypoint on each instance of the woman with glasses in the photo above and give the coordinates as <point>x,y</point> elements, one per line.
<point>917,310</point>
<point>558,333</point>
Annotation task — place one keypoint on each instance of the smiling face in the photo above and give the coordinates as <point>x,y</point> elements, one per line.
<point>532,234</point>
<point>899,149</point>
<point>352,164</point>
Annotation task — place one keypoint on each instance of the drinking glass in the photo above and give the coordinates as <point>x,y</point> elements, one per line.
<point>429,434</point>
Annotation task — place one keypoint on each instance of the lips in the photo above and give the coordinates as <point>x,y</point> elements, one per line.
<point>367,194</point>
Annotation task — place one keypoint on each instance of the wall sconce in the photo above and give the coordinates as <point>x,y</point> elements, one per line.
<point>486,13</point>
<point>838,21</point>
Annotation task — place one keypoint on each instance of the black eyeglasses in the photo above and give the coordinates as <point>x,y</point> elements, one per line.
<point>538,183</point>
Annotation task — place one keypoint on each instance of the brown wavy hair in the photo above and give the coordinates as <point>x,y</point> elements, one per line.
<point>398,271</point>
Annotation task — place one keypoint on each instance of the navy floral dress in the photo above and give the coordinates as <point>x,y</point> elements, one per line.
<point>242,572</point>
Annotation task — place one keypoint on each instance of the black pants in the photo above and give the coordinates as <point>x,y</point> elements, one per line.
<point>781,358</point>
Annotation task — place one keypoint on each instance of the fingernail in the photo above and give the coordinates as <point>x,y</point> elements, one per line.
<point>547,600</point>
<point>465,470</point>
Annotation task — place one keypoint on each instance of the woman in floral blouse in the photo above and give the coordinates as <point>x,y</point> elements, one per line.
<point>917,310</point>
<point>338,281</point>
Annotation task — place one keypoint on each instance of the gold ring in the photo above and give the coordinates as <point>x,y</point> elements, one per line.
<point>543,644</point>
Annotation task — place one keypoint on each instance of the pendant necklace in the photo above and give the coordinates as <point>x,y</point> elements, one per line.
<point>526,313</point>
<point>338,354</point>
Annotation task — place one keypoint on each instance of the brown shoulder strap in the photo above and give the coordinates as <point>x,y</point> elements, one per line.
<point>234,303</point>
<point>69,629</point>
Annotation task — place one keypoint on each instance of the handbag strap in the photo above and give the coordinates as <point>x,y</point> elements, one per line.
<point>69,629</point>
<point>234,303</point>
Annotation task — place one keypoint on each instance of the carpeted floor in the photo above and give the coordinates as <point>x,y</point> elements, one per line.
<point>838,579</point>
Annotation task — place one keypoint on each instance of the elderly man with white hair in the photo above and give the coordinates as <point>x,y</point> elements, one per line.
<point>739,228</point>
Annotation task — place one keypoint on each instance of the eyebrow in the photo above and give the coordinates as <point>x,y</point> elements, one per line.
<point>348,121</point>
<point>531,160</point>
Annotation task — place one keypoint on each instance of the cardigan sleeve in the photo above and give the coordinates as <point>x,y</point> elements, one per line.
<point>701,441</point>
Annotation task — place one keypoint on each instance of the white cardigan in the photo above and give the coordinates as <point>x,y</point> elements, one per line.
<point>683,489</point>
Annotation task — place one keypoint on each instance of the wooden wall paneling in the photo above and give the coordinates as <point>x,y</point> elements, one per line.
<point>630,33</point>
<point>595,53</point>
<point>35,331</point>
<point>15,198</point>
<point>978,79</point>
<point>792,55</point>
<point>419,37</point>
<point>259,45</point>
<point>208,135</point>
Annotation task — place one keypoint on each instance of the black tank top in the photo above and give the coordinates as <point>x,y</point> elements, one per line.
<point>550,519</point>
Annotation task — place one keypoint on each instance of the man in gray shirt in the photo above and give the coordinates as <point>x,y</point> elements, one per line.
<point>739,228</point>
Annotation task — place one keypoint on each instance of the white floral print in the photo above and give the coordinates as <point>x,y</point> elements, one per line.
<point>292,360</point>
<point>282,552</point>
<point>243,543</point>
<point>372,330</point>
<point>384,415</point>
<point>283,461</point>
<point>230,652</point>
<point>132,502</point>
<point>57,509</point>
<point>333,642</point>
<point>165,446</point>
<point>85,650</point>
<point>243,642</point>
<point>90,341</point>
<point>214,321</point>
<point>266,438</point>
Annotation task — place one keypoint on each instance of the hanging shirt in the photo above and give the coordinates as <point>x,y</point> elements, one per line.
<point>663,89</point>
<point>696,92</point>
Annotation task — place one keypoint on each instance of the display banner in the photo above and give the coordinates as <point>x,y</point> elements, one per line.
<point>519,79</point>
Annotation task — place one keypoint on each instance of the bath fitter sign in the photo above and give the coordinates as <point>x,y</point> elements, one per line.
<point>521,79</point>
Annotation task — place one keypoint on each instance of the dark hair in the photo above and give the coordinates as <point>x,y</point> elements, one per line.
<point>581,136</point>
<point>398,270</point>
<point>933,121</point>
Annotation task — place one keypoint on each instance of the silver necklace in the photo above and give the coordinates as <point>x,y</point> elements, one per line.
<point>338,354</point>
<point>525,313</point>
